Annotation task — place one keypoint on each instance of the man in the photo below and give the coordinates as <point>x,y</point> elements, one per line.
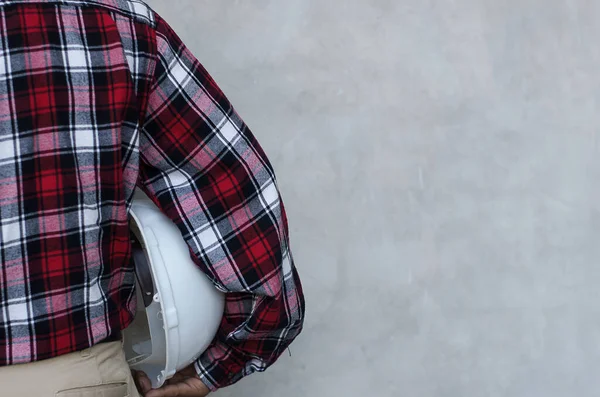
<point>98,97</point>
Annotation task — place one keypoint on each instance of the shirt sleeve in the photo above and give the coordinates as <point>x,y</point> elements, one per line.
<point>203,167</point>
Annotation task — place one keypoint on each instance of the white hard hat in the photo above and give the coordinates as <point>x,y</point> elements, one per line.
<point>179,310</point>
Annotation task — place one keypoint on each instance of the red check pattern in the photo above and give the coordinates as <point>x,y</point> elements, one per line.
<point>98,98</point>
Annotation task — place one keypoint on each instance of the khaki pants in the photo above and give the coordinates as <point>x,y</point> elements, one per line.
<point>100,371</point>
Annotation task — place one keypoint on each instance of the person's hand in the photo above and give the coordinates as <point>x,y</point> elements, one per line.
<point>184,383</point>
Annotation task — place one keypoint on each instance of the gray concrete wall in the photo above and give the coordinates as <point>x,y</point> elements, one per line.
<point>439,162</point>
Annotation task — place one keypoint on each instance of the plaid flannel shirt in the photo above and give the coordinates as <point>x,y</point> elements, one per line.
<point>98,97</point>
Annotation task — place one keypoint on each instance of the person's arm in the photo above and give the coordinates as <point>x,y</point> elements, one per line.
<point>205,170</point>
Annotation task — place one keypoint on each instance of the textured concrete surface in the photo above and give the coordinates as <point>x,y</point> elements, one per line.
<point>439,163</point>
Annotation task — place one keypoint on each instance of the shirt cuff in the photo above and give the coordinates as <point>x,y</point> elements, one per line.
<point>218,367</point>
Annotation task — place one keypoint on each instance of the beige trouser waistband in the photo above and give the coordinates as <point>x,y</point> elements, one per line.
<point>100,371</point>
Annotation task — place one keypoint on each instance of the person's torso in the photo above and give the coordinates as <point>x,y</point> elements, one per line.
<point>73,82</point>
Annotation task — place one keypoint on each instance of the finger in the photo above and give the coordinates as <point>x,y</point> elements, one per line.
<point>145,383</point>
<point>174,390</point>
<point>183,375</point>
<point>142,381</point>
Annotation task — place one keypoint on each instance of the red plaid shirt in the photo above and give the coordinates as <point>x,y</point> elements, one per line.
<point>98,97</point>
